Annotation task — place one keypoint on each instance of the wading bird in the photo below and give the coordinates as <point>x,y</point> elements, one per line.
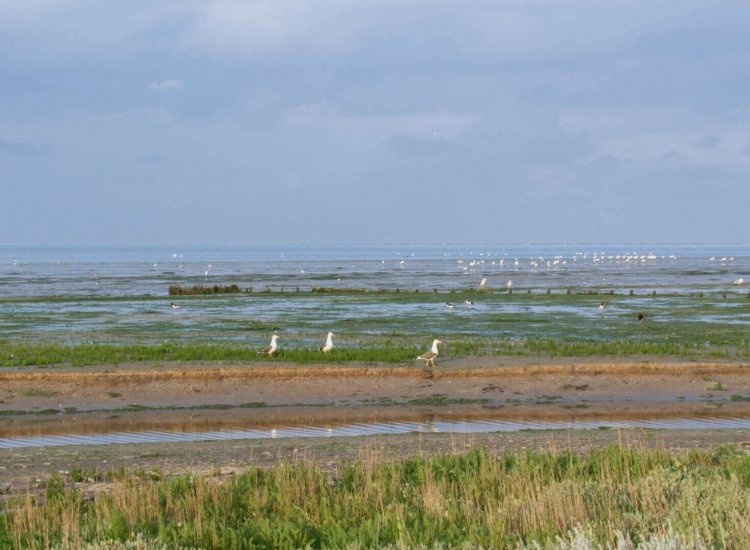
<point>174,306</point>
<point>449,305</point>
<point>328,346</point>
<point>270,349</point>
<point>641,317</point>
<point>429,356</point>
<point>602,305</point>
<point>483,284</point>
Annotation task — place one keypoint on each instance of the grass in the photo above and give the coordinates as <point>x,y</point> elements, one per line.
<point>473,499</point>
<point>28,353</point>
<point>388,350</point>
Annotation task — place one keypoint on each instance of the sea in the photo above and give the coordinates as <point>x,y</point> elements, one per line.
<point>46,271</point>
<point>121,293</point>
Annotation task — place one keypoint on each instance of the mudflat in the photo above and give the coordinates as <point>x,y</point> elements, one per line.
<point>199,397</point>
<point>488,383</point>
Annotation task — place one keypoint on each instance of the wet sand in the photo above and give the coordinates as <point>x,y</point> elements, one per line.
<point>197,397</point>
<point>23,470</point>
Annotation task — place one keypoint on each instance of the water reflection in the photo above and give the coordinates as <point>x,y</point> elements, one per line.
<point>374,428</point>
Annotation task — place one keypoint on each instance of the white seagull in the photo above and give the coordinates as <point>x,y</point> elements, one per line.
<point>429,356</point>
<point>328,346</point>
<point>509,285</point>
<point>483,283</point>
<point>271,348</point>
<point>469,303</point>
<point>739,282</point>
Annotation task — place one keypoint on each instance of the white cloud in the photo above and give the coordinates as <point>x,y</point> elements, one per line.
<point>477,29</point>
<point>167,85</point>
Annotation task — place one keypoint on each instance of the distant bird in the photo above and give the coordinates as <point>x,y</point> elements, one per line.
<point>429,356</point>
<point>328,346</point>
<point>483,284</point>
<point>174,306</point>
<point>509,285</point>
<point>739,282</point>
<point>271,348</point>
<point>450,305</point>
<point>602,305</point>
<point>469,303</point>
<point>641,317</point>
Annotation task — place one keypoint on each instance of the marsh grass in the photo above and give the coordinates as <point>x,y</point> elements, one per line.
<point>472,499</point>
<point>28,353</point>
<point>386,350</point>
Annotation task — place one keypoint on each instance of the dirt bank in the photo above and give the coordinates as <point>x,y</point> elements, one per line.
<point>490,384</point>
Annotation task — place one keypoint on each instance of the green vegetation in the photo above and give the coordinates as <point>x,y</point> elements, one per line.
<point>372,326</point>
<point>476,500</point>
<point>26,353</point>
<point>536,324</point>
<point>391,350</point>
<point>177,290</point>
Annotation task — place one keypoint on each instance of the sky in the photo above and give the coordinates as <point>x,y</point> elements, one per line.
<point>340,122</point>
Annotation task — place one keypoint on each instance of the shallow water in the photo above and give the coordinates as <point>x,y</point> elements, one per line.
<point>129,271</point>
<point>111,293</point>
<point>363,429</point>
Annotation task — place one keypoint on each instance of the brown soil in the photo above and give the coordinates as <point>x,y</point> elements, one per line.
<point>479,382</point>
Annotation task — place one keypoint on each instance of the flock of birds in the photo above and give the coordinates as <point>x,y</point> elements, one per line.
<point>428,357</point>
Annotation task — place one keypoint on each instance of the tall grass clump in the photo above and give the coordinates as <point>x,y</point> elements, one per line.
<point>607,497</point>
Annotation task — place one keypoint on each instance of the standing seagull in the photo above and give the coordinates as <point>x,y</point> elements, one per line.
<point>328,346</point>
<point>271,348</point>
<point>429,356</point>
<point>483,284</point>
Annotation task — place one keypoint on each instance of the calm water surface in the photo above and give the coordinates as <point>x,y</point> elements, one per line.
<point>362,429</point>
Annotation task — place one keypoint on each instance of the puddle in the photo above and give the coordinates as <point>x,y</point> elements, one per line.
<point>363,429</point>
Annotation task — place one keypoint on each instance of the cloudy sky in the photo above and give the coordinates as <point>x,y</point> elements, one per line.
<point>332,121</point>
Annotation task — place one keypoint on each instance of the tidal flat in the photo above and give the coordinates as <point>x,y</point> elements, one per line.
<point>619,414</point>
